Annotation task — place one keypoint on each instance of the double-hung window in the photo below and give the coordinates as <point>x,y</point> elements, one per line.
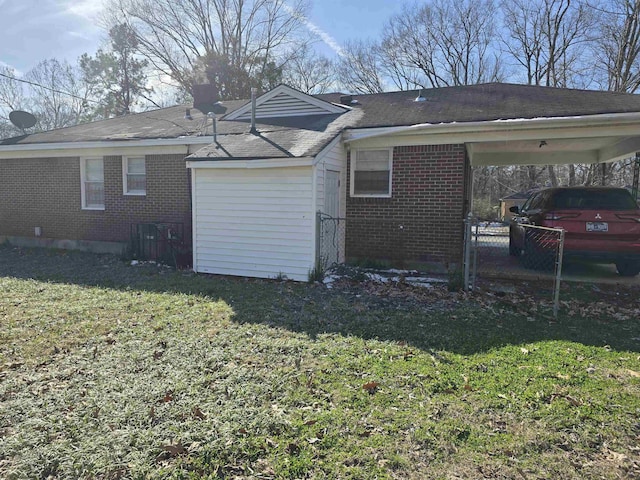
<point>371,173</point>
<point>92,183</point>
<point>134,176</point>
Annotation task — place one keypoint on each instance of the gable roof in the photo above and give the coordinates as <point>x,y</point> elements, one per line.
<point>284,101</point>
<point>293,133</point>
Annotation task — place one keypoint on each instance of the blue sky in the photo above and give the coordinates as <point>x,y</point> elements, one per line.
<point>34,30</point>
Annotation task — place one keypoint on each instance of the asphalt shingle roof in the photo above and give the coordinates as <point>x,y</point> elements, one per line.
<point>307,135</point>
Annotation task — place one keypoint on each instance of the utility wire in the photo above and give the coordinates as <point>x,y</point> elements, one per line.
<point>50,89</point>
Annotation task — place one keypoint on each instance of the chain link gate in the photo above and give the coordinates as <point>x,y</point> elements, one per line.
<point>492,249</point>
<point>330,232</point>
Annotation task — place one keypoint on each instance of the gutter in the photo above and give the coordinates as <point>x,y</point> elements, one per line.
<point>496,126</point>
<point>62,149</point>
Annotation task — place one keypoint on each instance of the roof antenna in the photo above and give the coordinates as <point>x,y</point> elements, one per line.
<point>420,97</point>
<point>22,120</point>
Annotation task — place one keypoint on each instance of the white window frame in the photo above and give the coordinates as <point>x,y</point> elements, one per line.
<point>125,172</point>
<point>83,171</point>
<point>354,156</point>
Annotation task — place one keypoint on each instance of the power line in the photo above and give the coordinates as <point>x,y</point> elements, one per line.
<point>50,89</point>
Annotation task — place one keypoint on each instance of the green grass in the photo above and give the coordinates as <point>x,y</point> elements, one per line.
<point>111,371</point>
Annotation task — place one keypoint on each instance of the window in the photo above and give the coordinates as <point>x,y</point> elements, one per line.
<point>92,183</point>
<point>134,176</point>
<point>371,173</point>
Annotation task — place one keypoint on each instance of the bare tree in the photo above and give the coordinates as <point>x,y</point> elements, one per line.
<point>617,48</point>
<point>548,38</point>
<point>58,96</point>
<point>445,42</point>
<point>309,71</point>
<point>53,91</point>
<point>179,37</point>
<point>359,69</point>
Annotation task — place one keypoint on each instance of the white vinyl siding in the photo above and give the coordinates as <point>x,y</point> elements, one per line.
<point>254,222</point>
<point>333,159</point>
<point>92,183</point>
<point>134,176</point>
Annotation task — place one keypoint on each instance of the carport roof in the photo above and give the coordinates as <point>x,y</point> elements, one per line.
<point>485,102</point>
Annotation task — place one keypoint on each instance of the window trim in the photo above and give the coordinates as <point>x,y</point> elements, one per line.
<point>353,161</point>
<point>83,171</point>
<point>125,172</point>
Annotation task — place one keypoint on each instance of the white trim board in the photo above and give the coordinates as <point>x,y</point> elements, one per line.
<point>257,163</point>
<point>160,146</point>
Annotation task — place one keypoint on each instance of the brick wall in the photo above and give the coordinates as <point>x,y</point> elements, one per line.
<point>422,221</point>
<point>45,192</point>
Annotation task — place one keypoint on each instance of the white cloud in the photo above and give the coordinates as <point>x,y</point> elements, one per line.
<point>87,9</point>
<point>5,64</point>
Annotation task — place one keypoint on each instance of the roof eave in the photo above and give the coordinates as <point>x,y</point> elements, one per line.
<point>102,147</point>
<point>496,130</point>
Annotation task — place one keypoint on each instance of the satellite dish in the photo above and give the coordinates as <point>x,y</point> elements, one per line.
<point>22,119</point>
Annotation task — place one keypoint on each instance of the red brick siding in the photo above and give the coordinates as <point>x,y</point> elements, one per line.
<point>428,201</point>
<point>45,192</point>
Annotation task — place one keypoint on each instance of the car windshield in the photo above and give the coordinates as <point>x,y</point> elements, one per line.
<point>593,200</point>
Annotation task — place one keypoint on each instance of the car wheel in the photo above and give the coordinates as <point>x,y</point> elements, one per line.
<point>514,250</point>
<point>630,269</point>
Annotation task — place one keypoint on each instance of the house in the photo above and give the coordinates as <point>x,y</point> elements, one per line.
<point>516,199</point>
<point>246,179</point>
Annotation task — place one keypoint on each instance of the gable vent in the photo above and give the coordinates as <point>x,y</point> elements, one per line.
<point>283,105</point>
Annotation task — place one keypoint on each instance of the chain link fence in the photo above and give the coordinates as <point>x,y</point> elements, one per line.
<point>330,241</point>
<point>379,242</point>
<point>496,250</point>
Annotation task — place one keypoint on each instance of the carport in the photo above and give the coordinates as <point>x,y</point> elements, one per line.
<point>592,139</point>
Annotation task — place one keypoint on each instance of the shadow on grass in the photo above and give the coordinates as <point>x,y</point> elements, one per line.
<point>439,322</point>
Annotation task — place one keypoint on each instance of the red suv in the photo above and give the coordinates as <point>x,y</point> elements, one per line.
<point>601,224</point>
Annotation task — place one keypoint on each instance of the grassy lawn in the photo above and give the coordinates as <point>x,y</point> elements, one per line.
<point>112,371</point>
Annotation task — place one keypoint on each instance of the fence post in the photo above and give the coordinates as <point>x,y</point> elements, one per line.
<point>318,238</point>
<point>556,293</point>
<point>467,251</point>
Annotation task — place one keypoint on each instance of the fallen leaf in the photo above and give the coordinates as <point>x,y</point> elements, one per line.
<point>524,350</point>
<point>310,422</point>
<point>197,413</point>
<point>371,387</point>
<point>293,449</point>
<point>313,440</point>
<point>468,387</point>
<point>174,450</point>
<point>168,397</point>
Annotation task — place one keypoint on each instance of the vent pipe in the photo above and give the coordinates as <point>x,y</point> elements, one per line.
<point>254,91</point>
<point>214,126</point>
